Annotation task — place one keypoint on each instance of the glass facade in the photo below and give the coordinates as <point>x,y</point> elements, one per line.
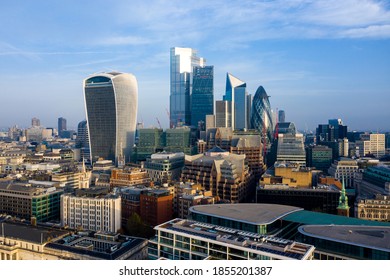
<point>111,108</point>
<point>237,95</point>
<point>261,116</point>
<point>182,62</point>
<point>202,98</point>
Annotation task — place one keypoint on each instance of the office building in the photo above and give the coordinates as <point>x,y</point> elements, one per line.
<point>164,167</point>
<point>129,176</point>
<point>375,145</point>
<point>374,180</point>
<point>288,222</point>
<point>61,125</point>
<point>319,157</point>
<point>30,200</point>
<point>281,116</point>
<point>111,101</point>
<point>35,122</point>
<point>291,148</point>
<point>183,60</point>
<point>181,239</point>
<point>150,141</point>
<point>180,139</point>
<point>223,113</point>
<point>88,211</point>
<point>344,169</point>
<point>202,97</point>
<point>226,175</point>
<point>156,206</point>
<point>261,115</point>
<point>237,95</point>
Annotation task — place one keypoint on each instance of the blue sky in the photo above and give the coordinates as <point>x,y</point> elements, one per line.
<point>316,59</point>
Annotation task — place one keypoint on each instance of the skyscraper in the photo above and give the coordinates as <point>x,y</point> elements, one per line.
<point>61,125</point>
<point>35,122</point>
<point>282,116</point>
<point>182,62</point>
<point>202,97</point>
<point>111,101</point>
<point>236,93</point>
<point>261,116</point>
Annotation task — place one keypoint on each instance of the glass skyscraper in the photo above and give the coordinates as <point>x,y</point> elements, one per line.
<point>202,97</point>
<point>261,115</point>
<point>182,62</point>
<point>111,101</point>
<point>236,93</point>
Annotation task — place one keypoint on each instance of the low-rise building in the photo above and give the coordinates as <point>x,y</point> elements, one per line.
<point>129,177</point>
<point>344,169</point>
<point>189,240</point>
<point>376,209</point>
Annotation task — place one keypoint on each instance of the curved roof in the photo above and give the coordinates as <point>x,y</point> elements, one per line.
<point>260,93</point>
<point>250,213</point>
<point>363,236</point>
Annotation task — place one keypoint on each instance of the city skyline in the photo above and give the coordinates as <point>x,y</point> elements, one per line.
<point>317,60</point>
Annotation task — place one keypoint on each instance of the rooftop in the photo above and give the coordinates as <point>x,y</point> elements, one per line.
<point>362,236</point>
<point>315,218</point>
<point>276,247</point>
<point>26,232</point>
<point>250,213</point>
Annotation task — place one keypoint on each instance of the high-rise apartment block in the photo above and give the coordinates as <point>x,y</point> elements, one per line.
<point>111,101</point>
<point>182,63</point>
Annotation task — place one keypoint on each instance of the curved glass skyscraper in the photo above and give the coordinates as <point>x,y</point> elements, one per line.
<point>261,116</point>
<point>111,101</point>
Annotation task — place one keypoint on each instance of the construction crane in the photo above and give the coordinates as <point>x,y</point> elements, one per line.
<point>159,124</point>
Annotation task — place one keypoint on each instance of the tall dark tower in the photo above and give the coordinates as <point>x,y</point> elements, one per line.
<point>202,97</point>
<point>61,125</point>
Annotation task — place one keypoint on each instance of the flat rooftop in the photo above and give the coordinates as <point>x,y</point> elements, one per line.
<point>250,213</point>
<point>362,236</point>
<point>26,232</point>
<point>275,247</point>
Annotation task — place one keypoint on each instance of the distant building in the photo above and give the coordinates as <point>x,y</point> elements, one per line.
<point>182,61</point>
<point>287,174</point>
<point>281,116</point>
<point>61,125</point>
<point>319,157</point>
<point>100,213</point>
<point>223,113</point>
<point>202,97</point>
<point>291,148</point>
<point>344,168</point>
<point>375,146</point>
<point>35,122</point>
<point>164,167</point>
<point>261,115</point>
<point>131,201</point>
<point>237,95</point>
<point>374,180</point>
<point>180,139</point>
<point>27,200</point>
